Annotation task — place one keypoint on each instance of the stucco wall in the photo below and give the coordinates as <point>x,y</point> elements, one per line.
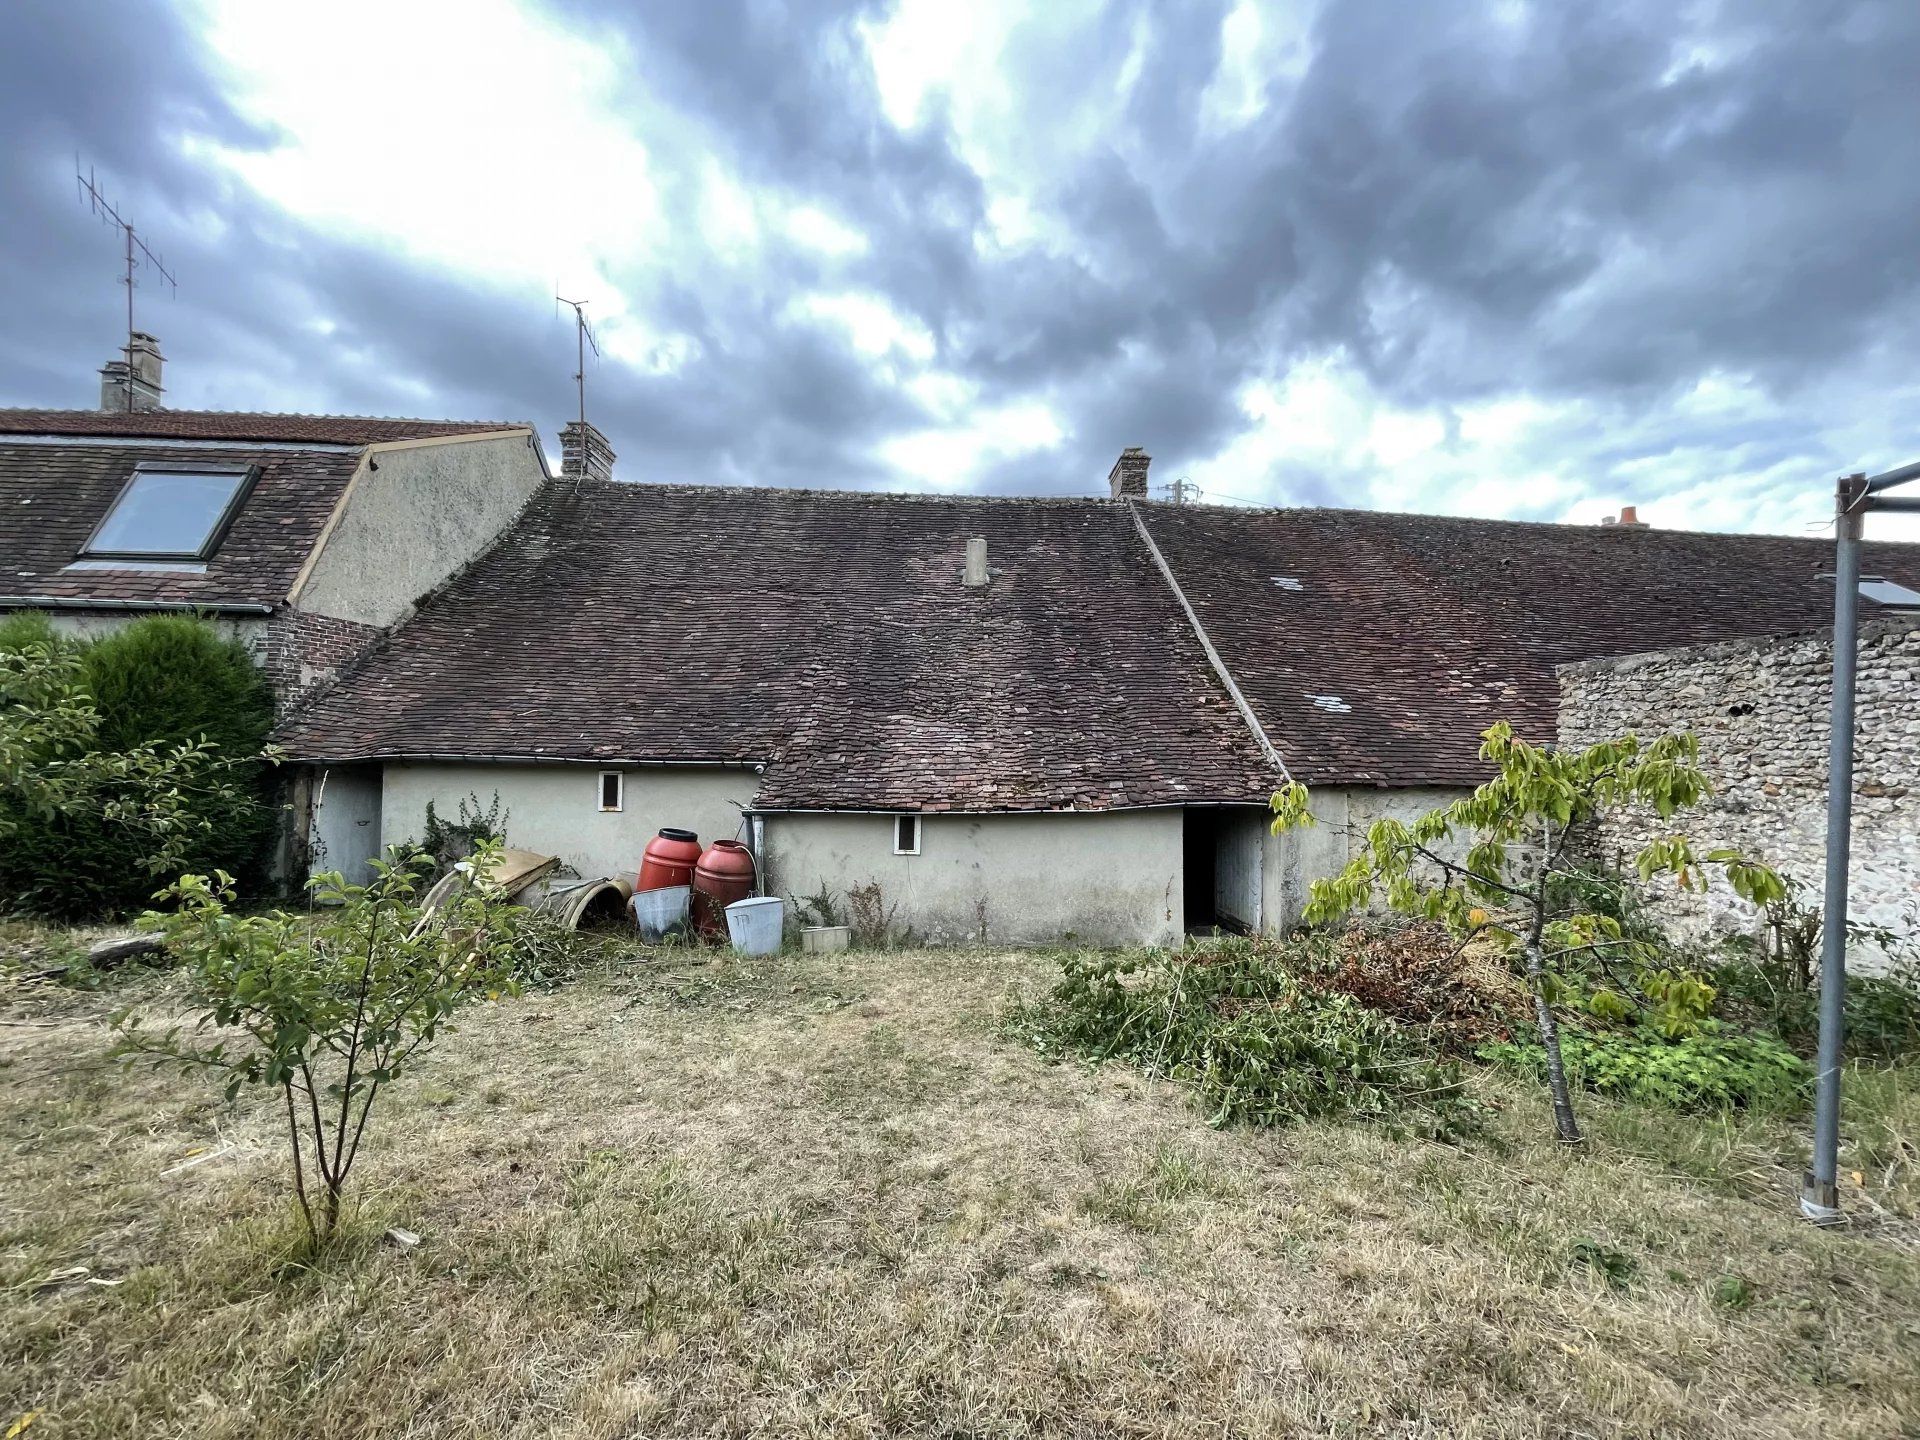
<point>423,515</point>
<point>1760,710</point>
<point>1342,816</point>
<point>249,630</point>
<point>1104,879</point>
<point>555,809</point>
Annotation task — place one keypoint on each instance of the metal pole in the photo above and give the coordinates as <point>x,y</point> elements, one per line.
<point>1820,1194</point>
<point>129,230</point>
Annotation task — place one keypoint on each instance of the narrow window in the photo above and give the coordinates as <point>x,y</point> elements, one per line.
<point>170,512</point>
<point>906,834</point>
<point>612,789</point>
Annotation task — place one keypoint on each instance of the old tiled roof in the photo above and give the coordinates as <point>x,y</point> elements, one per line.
<point>1375,647</point>
<point>828,635</point>
<point>53,495</point>
<point>239,425</point>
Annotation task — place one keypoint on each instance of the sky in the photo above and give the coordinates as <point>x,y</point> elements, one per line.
<point>1534,260</point>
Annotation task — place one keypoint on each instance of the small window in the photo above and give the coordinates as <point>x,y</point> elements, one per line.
<point>612,789</point>
<point>906,834</point>
<point>171,512</point>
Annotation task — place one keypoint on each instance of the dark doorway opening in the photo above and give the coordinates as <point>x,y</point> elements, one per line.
<point>1220,869</point>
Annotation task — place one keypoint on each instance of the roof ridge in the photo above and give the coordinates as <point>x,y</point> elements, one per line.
<point>1502,520</point>
<point>264,415</point>
<point>824,492</point>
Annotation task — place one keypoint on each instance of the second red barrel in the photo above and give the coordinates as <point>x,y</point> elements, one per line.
<point>668,860</point>
<point>724,875</point>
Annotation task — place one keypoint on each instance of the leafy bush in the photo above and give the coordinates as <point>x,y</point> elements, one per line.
<point>21,628</point>
<point>65,798</point>
<point>1256,1044</point>
<point>1882,1011</point>
<point>164,683</point>
<point>1713,1068</point>
<point>1776,985</point>
<point>327,1006</point>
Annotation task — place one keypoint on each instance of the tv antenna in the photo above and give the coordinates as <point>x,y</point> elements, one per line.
<point>1184,491</point>
<point>97,202</point>
<point>583,337</point>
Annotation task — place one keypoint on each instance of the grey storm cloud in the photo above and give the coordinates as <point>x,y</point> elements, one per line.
<point>1600,203</point>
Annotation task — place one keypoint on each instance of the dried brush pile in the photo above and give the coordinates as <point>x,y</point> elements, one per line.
<point>1459,996</point>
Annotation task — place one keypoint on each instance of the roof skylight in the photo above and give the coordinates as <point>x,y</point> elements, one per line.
<point>170,512</point>
<point>1885,592</point>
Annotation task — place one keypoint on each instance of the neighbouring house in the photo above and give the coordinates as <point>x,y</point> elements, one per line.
<point>306,536</point>
<point>1010,720</point>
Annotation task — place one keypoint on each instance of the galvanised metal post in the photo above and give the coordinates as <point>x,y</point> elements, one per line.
<point>1820,1194</point>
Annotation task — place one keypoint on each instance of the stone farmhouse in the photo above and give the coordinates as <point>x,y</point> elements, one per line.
<point>1010,720</point>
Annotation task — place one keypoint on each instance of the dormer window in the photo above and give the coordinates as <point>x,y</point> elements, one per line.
<point>171,512</point>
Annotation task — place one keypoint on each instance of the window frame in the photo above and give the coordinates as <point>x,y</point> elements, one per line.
<point>248,475</point>
<point>619,778</point>
<point>906,817</point>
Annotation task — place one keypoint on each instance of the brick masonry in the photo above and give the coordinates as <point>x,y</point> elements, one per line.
<point>304,650</point>
<point>1760,709</point>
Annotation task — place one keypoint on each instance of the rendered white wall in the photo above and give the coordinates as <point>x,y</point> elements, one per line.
<point>423,515</point>
<point>1342,815</point>
<point>555,809</point>
<point>1099,879</point>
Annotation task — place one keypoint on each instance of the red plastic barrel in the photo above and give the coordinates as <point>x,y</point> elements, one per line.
<point>724,875</point>
<point>668,860</point>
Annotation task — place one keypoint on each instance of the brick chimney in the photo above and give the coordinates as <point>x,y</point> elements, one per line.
<point>585,453</point>
<point>1129,473</point>
<point>1629,518</point>
<point>136,387</point>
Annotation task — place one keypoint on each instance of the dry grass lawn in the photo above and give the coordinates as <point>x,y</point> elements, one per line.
<point>823,1197</point>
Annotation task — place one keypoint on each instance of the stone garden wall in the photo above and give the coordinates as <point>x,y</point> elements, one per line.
<point>1760,709</point>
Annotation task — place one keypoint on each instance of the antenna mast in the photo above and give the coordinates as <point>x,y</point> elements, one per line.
<point>583,337</point>
<point>97,202</point>
<point>1183,490</point>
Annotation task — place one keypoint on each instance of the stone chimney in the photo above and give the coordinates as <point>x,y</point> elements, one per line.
<point>976,573</point>
<point>136,387</point>
<point>1129,473</point>
<point>585,453</point>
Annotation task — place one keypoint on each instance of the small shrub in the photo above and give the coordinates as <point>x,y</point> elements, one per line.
<point>451,841</point>
<point>1616,1267</point>
<point>1256,1045</point>
<point>1731,1292</point>
<point>1776,986</point>
<point>1713,1068</point>
<point>820,908</point>
<point>327,1007</point>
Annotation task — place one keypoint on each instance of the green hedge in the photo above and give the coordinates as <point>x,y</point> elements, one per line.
<point>163,678</point>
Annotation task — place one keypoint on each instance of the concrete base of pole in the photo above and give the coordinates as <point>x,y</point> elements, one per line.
<point>1820,1204</point>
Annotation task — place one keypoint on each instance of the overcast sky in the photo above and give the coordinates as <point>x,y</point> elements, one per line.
<point>1533,260</point>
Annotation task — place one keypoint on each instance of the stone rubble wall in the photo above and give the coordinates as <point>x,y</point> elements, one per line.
<point>1760,709</point>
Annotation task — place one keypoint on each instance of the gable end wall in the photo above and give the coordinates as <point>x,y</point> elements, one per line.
<point>1760,709</point>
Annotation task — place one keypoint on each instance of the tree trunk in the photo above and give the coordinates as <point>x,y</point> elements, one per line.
<point>1563,1121</point>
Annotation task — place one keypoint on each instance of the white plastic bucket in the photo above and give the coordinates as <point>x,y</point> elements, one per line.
<point>755,924</point>
<point>656,912</point>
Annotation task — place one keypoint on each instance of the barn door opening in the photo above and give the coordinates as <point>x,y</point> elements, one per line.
<point>1220,858</point>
